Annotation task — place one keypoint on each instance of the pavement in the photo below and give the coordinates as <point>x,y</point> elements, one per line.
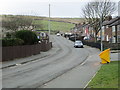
<point>24,60</point>
<point>114,55</point>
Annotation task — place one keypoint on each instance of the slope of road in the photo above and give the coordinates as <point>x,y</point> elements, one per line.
<point>79,76</point>
<point>36,73</point>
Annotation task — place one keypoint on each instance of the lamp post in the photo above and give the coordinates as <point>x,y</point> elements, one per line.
<point>100,30</point>
<point>75,33</point>
<point>101,33</point>
<point>49,21</point>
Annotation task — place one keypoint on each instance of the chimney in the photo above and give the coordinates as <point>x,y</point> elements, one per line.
<point>108,18</point>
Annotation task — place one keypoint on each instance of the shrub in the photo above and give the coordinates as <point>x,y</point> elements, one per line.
<point>12,42</point>
<point>8,35</point>
<point>28,37</point>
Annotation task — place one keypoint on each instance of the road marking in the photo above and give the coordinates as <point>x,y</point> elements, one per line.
<point>18,64</point>
<point>83,62</point>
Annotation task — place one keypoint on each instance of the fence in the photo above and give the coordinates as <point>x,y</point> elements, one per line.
<point>12,52</point>
<point>92,44</point>
<point>112,46</point>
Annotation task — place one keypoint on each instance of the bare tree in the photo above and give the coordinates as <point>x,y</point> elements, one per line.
<point>10,24</point>
<point>24,22</point>
<point>19,22</point>
<point>96,12</point>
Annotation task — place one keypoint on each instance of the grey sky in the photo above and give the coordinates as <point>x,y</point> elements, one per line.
<point>59,8</point>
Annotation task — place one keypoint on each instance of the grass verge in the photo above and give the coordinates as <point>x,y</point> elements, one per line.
<point>107,76</point>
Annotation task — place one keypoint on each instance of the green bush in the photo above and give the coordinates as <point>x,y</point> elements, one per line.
<point>12,42</point>
<point>28,37</point>
<point>8,35</point>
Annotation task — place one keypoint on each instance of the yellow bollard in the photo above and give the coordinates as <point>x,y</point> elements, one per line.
<point>105,56</point>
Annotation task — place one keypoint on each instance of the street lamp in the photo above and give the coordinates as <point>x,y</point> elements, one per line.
<point>75,33</point>
<point>101,33</point>
<point>49,21</point>
<point>101,30</point>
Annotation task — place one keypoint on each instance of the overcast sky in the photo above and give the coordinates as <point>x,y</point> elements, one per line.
<point>59,8</point>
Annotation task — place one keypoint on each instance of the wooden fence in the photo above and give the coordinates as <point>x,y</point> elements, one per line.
<point>12,52</point>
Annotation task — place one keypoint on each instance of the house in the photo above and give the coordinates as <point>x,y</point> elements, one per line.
<point>77,29</point>
<point>116,29</point>
<point>112,30</point>
<point>88,32</point>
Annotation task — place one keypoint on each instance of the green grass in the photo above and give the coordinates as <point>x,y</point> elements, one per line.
<point>55,26</point>
<point>107,76</point>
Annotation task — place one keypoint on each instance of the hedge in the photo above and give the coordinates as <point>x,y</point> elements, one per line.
<point>27,36</point>
<point>12,42</point>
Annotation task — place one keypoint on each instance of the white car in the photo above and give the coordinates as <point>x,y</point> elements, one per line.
<point>78,43</point>
<point>58,34</point>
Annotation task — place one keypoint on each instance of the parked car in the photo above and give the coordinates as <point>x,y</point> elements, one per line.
<point>78,43</point>
<point>58,34</point>
<point>86,38</point>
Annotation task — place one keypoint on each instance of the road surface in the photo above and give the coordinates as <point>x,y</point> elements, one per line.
<point>36,73</point>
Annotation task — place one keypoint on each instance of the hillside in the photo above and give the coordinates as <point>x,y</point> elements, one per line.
<point>56,24</point>
<point>67,20</point>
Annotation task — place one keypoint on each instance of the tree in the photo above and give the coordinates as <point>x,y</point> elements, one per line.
<point>19,22</point>
<point>96,12</point>
<point>25,22</point>
<point>10,24</point>
<point>27,36</point>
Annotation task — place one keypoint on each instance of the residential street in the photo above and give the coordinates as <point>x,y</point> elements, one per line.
<point>62,61</point>
<point>59,44</point>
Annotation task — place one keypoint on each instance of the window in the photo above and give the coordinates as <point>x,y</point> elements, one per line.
<point>106,26</point>
<point>118,27</point>
<point>113,39</point>
<point>107,38</point>
<point>118,38</point>
<point>113,28</point>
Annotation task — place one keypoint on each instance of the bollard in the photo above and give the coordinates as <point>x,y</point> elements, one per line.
<point>105,56</point>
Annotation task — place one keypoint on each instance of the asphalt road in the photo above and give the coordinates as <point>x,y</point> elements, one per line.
<point>36,73</point>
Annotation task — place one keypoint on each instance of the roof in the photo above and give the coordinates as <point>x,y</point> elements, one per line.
<point>112,21</point>
<point>115,23</point>
<point>105,23</point>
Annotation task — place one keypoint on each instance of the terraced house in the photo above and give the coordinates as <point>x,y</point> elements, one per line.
<point>111,29</point>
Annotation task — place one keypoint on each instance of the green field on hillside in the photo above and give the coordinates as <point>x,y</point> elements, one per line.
<point>55,26</point>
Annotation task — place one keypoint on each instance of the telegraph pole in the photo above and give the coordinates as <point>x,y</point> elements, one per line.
<point>49,21</point>
<point>101,34</point>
